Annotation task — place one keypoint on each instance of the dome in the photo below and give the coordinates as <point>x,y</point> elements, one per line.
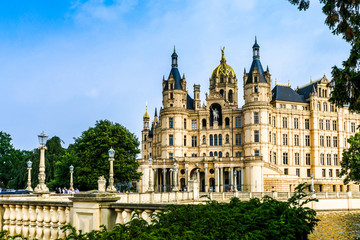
<point>146,115</point>
<point>223,68</point>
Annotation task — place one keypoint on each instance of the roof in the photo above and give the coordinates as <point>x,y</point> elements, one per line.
<point>189,103</point>
<point>223,68</point>
<point>286,93</point>
<point>256,64</point>
<point>176,75</point>
<point>308,89</point>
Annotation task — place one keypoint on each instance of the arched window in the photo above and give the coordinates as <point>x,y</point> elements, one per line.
<point>227,122</point>
<point>220,139</point>
<point>204,139</point>
<point>211,154</point>
<point>227,154</point>
<point>221,79</point>
<point>204,123</point>
<point>215,154</point>
<point>220,154</point>
<point>222,92</point>
<point>230,96</point>
<point>211,140</point>
<point>227,138</point>
<point>215,140</point>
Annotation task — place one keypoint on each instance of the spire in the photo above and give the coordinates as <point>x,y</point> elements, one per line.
<point>155,112</point>
<point>223,60</point>
<point>256,48</point>
<point>174,57</point>
<point>146,115</point>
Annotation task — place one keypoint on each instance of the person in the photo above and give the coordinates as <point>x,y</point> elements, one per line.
<point>77,190</point>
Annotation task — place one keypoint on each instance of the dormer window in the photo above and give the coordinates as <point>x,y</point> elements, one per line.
<point>171,86</point>
<point>255,79</point>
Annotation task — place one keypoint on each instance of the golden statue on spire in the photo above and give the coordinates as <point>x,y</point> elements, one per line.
<point>223,60</point>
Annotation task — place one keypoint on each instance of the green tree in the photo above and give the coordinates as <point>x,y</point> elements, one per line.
<point>343,18</point>
<point>351,160</point>
<point>89,155</point>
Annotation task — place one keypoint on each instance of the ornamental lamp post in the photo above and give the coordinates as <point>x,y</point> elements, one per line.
<point>41,187</point>
<point>175,189</point>
<point>71,179</point>
<point>150,189</point>
<point>111,187</point>
<point>29,165</point>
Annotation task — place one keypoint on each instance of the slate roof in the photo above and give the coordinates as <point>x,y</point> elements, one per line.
<point>189,103</point>
<point>176,75</point>
<point>308,89</point>
<point>285,93</point>
<point>256,63</point>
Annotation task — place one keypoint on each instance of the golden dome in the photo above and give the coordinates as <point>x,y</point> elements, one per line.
<point>223,68</point>
<point>146,115</point>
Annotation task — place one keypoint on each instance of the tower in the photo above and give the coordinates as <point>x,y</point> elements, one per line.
<point>145,134</point>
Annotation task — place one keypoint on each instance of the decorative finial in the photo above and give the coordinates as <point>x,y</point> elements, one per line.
<point>275,81</point>
<point>174,49</point>
<point>255,39</point>
<point>155,112</point>
<point>223,60</point>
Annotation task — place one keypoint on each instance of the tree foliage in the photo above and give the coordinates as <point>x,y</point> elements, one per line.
<point>343,18</point>
<point>254,219</point>
<point>89,155</point>
<point>351,160</point>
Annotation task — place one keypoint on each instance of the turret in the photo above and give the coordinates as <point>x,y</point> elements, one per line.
<point>197,101</point>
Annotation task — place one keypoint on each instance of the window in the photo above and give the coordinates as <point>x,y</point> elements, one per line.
<point>297,172</point>
<point>171,156</point>
<point>274,121</point>
<point>220,139</point>
<point>257,153</point>
<point>337,173</point>
<point>285,158</point>
<point>335,141</point>
<point>336,162</point>
<point>327,124</point>
<point>220,154</point>
<point>269,136</point>
<point>321,124</point>
<point>285,139</point>
<point>256,136</point>
<point>227,139</point>
<point>328,159</point>
<point>215,139</point>
<point>296,123</point>
<point>256,117</point>
<point>286,171</point>
<point>184,123</point>
<point>308,172</point>
<point>204,123</point>
<point>307,140</point>
<point>328,141</point>
<point>307,159</point>
<point>296,140</point>
<point>352,127</point>
<point>330,172</point>
<point>321,141</point>
<point>284,122</point>
<point>238,122</point>
<point>193,124</point>
<point>194,141</point>
<point>227,154</point>
<point>185,140</point>
<point>307,124</point>
<point>171,140</point>
<point>238,154</point>
<point>204,139</point>
<point>274,156</point>
<point>334,125</point>
<point>325,107</point>
<point>211,140</point>
<point>274,138</point>
<point>211,154</point>
<point>322,159</point>
<point>238,139</point>
<point>319,106</point>
<point>256,88</point>
<point>297,159</point>
<point>171,123</point>
<point>323,173</point>
<point>227,122</point>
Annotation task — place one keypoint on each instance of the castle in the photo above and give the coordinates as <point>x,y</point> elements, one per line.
<point>279,138</point>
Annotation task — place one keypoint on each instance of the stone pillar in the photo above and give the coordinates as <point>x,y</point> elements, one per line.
<point>242,179</point>
<point>101,184</point>
<point>41,187</point>
<point>164,179</point>
<point>206,178</point>
<point>216,179</point>
<point>231,178</point>
<point>221,179</point>
<point>187,177</point>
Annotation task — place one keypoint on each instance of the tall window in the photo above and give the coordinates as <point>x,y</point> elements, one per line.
<point>328,159</point>
<point>336,162</point>
<point>286,171</point>
<point>335,141</point>
<point>256,117</point>
<point>307,124</point>
<point>274,156</point>
<point>328,141</point>
<point>337,173</point>
<point>185,140</point>
<point>321,141</point>
<point>171,140</point>
<point>238,139</point>
<point>215,139</point>
<point>327,124</point>
<point>307,159</point>
<point>325,107</point>
<point>171,155</point>
<point>297,171</point>
<point>256,136</point>
<point>284,122</point>
<point>220,139</point>
<point>307,140</point>
<point>211,140</point>
<point>308,172</point>
<point>352,127</point>
<point>238,122</point>
<point>322,159</point>
<point>193,124</point>
<point>296,123</point>
<point>194,141</point>
<point>184,123</point>
<point>297,159</point>
<point>285,158</point>
<point>330,172</point>
<point>334,125</point>
<point>323,171</point>
<point>274,121</point>
<point>285,139</point>
<point>238,154</point>
<point>171,123</point>
<point>321,124</point>
<point>296,140</point>
<point>274,138</point>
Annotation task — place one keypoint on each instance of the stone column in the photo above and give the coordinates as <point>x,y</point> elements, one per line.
<point>221,179</point>
<point>187,177</point>
<point>216,179</point>
<point>231,178</point>
<point>164,179</point>
<point>242,179</point>
<point>206,178</point>
<point>150,188</point>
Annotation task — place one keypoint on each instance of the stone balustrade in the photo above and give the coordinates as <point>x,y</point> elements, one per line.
<point>35,219</point>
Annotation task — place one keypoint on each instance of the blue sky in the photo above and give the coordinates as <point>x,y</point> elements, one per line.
<point>66,64</point>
